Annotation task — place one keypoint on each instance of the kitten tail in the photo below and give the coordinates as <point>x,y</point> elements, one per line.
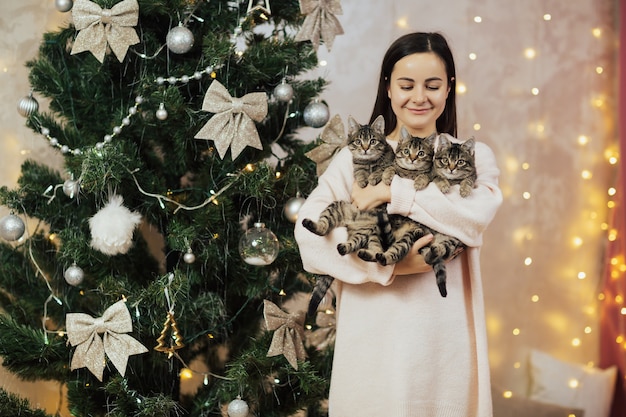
<point>322,284</point>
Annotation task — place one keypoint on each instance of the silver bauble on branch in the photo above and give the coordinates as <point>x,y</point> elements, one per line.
<point>71,188</point>
<point>292,207</point>
<point>316,114</point>
<point>63,5</point>
<point>161,113</point>
<point>258,246</point>
<point>12,228</point>
<point>189,257</point>
<point>238,408</point>
<point>283,92</point>
<point>74,275</point>
<point>27,105</point>
<point>179,40</point>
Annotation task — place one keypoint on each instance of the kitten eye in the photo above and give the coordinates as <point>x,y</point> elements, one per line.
<point>405,152</point>
<point>358,141</point>
<point>372,141</point>
<point>460,162</point>
<point>421,154</point>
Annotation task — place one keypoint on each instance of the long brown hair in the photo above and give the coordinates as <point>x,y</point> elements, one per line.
<point>413,43</point>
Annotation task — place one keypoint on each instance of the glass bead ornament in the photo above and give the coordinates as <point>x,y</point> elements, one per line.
<point>283,92</point>
<point>12,228</point>
<point>27,105</point>
<point>71,188</point>
<point>64,5</point>
<point>238,408</point>
<point>292,207</point>
<point>258,246</point>
<point>179,39</point>
<point>316,114</point>
<point>74,275</point>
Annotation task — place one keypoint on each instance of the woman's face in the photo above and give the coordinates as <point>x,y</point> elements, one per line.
<point>418,88</point>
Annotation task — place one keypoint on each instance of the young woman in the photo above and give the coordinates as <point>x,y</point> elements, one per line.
<point>401,349</point>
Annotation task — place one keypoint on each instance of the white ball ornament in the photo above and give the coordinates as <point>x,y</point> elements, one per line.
<point>74,275</point>
<point>179,40</point>
<point>27,105</point>
<point>259,246</point>
<point>316,114</point>
<point>283,92</point>
<point>112,227</point>
<point>12,228</point>
<point>161,113</point>
<point>64,5</point>
<point>292,207</point>
<point>238,408</point>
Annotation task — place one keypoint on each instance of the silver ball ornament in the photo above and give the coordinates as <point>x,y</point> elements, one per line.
<point>12,228</point>
<point>161,113</point>
<point>179,40</point>
<point>27,105</point>
<point>238,408</point>
<point>74,275</point>
<point>71,188</point>
<point>292,207</point>
<point>316,114</point>
<point>189,257</point>
<point>283,92</point>
<point>64,5</point>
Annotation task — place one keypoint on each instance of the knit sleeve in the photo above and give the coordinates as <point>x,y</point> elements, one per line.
<point>319,253</point>
<point>465,218</point>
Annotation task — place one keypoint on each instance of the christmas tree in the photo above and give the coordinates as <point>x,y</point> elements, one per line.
<point>164,248</point>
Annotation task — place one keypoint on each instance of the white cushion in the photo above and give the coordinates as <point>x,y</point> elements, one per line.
<point>572,385</point>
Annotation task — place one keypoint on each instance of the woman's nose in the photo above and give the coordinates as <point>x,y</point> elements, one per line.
<point>419,96</point>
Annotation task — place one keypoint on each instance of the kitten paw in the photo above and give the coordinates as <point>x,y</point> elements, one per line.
<point>342,249</point>
<point>366,255</point>
<point>465,191</point>
<point>381,259</point>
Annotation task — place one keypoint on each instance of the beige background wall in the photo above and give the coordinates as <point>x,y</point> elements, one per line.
<point>543,255</point>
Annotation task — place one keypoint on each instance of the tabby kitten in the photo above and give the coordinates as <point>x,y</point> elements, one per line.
<point>454,164</point>
<point>413,158</point>
<point>371,153</point>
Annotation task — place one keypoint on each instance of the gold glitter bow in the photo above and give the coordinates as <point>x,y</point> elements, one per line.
<point>289,333</point>
<point>99,27</point>
<point>320,21</point>
<point>334,139</point>
<point>84,331</point>
<point>233,122</point>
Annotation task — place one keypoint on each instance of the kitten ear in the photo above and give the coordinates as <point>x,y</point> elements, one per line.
<point>353,125</point>
<point>443,141</point>
<point>404,134</point>
<point>469,145</point>
<point>379,124</point>
<point>431,139</point>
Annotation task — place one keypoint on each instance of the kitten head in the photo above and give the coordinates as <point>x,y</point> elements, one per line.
<point>455,161</point>
<point>366,142</point>
<point>414,153</point>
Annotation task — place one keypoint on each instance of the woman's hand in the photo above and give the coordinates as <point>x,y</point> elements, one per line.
<point>371,196</point>
<point>413,262</point>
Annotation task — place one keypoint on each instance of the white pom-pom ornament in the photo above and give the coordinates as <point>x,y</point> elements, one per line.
<point>112,227</point>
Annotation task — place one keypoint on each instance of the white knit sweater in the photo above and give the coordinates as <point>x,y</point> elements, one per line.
<point>402,350</point>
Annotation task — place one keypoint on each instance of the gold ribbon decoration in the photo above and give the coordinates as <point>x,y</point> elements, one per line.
<point>233,122</point>
<point>320,21</point>
<point>101,27</point>
<point>84,332</point>
<point>334,138</point>
<point>288,333</point>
